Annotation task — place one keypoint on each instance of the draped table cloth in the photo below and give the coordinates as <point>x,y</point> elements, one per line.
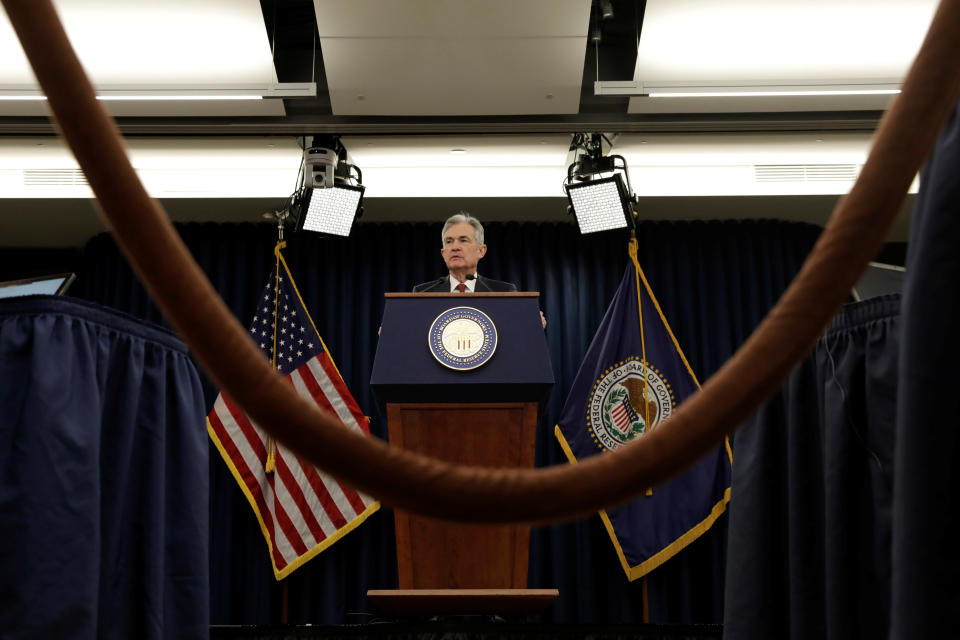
<point>103,476</point>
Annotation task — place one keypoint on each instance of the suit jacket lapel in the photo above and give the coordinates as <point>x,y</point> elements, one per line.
<point>481,285</point>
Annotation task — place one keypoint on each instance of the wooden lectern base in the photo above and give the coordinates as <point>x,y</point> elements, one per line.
<point>435,554</point>
<point>462,601</point>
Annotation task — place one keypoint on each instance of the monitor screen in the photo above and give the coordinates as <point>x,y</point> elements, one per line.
<point>41,285</point>
<point>879,279</point>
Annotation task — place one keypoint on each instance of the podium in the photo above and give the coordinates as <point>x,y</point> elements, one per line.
<point>460,377</point>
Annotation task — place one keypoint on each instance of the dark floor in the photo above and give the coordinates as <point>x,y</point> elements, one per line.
<point>469,628</point>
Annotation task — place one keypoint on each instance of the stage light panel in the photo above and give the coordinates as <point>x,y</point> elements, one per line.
<point>599,205</point>
<point>332,210</point>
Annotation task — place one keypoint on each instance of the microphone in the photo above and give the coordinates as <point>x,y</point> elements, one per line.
<point>471,276</point>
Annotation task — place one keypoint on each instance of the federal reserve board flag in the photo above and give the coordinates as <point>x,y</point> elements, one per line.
<point>632,379</point>
<point>301,509</point>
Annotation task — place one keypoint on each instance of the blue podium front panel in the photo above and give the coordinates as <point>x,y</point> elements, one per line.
<point>411,364</point>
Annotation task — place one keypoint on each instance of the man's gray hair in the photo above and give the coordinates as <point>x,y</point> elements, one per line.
<point>457,218</point>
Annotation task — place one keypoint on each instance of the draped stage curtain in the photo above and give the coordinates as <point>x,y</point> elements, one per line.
<point>810,525</point>
<point>845,507</point>
<point>926,510</point>
<point>714,281</point>
<point>103,493</point>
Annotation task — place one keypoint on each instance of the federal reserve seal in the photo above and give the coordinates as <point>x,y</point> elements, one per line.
<point>462,338</point>
<point>622,406</point>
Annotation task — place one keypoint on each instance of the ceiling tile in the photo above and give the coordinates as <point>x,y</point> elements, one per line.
<point>460,58</point>
<point>411,77</point>
<point>452,18</point>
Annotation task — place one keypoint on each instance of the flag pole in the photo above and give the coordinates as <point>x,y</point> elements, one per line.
<point>632,250</point>
<point>280,216</point>
<point>646,602</point>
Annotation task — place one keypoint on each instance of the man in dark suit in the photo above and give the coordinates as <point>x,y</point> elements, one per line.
<point>462,249</point>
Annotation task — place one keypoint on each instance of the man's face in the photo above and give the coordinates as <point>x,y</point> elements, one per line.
<point>460,250</point>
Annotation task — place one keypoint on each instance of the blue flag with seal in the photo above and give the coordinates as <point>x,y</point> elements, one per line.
<point>633,377</point>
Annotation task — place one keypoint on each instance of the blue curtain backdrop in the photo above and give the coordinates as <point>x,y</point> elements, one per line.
<point>714,281</point>
<point>103,493</point>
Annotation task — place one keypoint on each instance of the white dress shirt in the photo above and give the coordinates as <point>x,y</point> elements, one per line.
<point>470,284</point>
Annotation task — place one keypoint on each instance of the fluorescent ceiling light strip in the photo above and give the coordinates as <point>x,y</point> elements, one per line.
<point>655,89</point>
<point>752,93</point>
<point>173,93</point>
<point>181,97</point>
<point>141,97</point>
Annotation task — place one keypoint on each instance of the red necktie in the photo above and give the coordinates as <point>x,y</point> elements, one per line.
<point>461,287</point>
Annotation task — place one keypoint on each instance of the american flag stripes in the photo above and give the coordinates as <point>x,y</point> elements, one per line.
<point>301,509</point>
<point>623,415</point>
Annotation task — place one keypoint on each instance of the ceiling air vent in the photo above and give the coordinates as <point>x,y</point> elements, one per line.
<point>54,178</point>
<point>805,172</point>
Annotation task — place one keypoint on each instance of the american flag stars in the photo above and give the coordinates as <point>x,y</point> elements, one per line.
<point>282,315</point>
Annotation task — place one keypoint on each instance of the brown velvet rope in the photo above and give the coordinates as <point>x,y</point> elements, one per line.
<point>853,236</point>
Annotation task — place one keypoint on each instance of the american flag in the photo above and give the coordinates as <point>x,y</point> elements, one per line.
<point>623,415</point>
<point>301,509</point>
